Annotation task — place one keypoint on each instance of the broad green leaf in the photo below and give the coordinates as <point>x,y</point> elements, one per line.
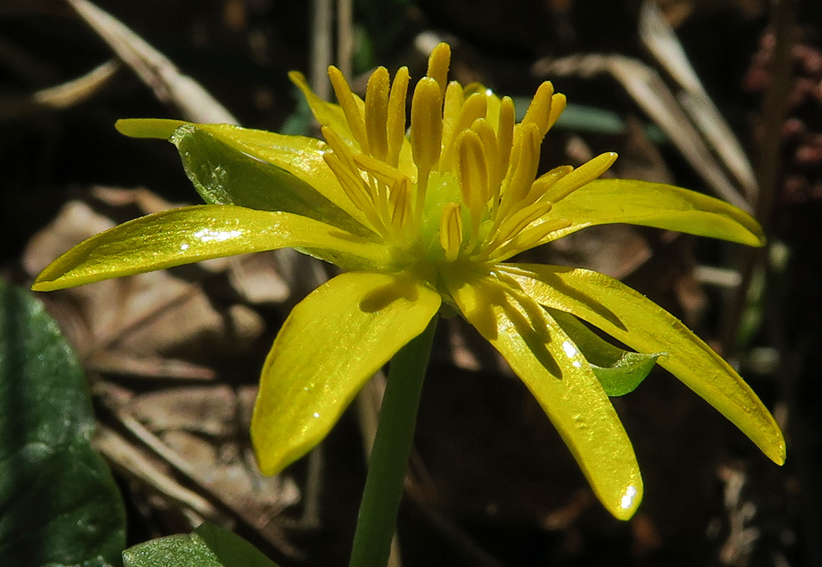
<point>230,165</point>
<point>618,370</point>
<point>191,234</point>
<point>642,325</point>
<point>207,546</point>
<point>543,356</point>
<point>59,505</point>
<point>612,201</point>
<point>331,344</point>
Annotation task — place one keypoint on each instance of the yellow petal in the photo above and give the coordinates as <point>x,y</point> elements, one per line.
<point>330,345</point>
<point>327,113</point>
<point>542,355</point>
<point>262,170</point>
<point>190,234</point>
<point>610,201</point>
<point>148,127</point>
<point>645,327</point>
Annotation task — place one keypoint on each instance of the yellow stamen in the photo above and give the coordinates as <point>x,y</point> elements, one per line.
<point>339,147</point>
<point>473,177</point>
<point>522,169</point>
<point>539,111</point>
<point>396,115</point>
<point>505,131</point>
<point>438,63</point>
<point>381,170</point>
<point>426,133</point>
<point>474,107</point>
<point>383,175</point>
<point>557,106</point>
<point>585,173</point>
<point>451,231</point>
<point>401,204</point>
<point>544,182</point>
<point>454,98</point>
<point>376,113</point>
<point>492,158</point>
<point>528,238</point>
<point>356,190</point>
<point>351,105</point>
<point>516,223</point>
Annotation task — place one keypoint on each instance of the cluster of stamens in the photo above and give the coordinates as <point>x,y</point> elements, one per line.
<point>469,188</point>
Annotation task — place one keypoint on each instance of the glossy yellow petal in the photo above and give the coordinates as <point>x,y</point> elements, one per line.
<point>190,234</point>
<point>327,114</point>
<point>547,361</point>
<point>330,345</point>
<point>229,165</point>
<point>645,327</point>
<point>611,201</point>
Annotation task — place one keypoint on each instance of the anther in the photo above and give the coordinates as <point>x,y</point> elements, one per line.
<point>438,63</point>
<point>505,131</point>
<point>426,133</point>
<point>540,188</point>
<point>585,173</point>
<point>351,105</point>
<point>473,177</point>
<point>376,113</point>
<point>539,111</point>
<point>396,115</point>
<point>522,170</point>
<point>451,231</point>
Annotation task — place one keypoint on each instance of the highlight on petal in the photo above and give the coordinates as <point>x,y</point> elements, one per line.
<point>191,234</point>
<point>636,321</point>
<point>611,201</point>
<point>549,363</point>
<point>330,345</point>
<point>229,165</point>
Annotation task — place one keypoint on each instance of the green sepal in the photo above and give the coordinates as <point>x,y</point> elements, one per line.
<point>619,371</point>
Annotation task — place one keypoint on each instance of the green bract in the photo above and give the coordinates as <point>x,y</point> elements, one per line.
<point>427,217</point>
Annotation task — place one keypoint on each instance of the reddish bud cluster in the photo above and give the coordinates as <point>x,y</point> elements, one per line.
<point>802,130</point>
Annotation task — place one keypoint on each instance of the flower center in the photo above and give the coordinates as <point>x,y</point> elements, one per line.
<point>465,188</point>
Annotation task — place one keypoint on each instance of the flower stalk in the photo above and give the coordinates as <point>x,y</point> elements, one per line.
<point>389,455</point>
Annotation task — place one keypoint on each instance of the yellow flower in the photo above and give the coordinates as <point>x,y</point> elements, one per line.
<point>424,222</point>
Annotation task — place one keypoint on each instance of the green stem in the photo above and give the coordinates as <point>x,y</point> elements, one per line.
<point>389,455</point>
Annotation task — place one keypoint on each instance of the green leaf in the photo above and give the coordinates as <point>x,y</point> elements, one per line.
<point>207,546</point>
<point>59,505</point>
<point>619,371</point>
